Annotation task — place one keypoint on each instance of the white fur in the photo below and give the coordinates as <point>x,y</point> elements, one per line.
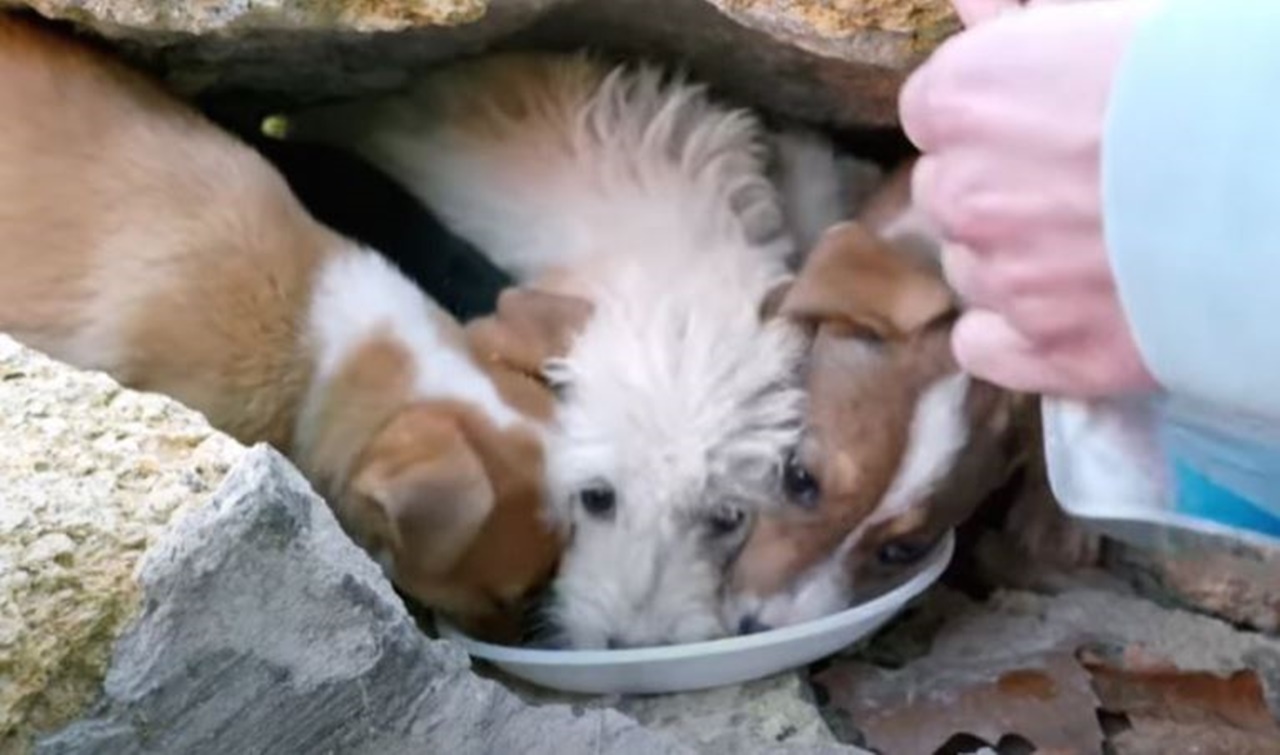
<point>359,295</point>
<point>677,395</point>
<point>939,431</point>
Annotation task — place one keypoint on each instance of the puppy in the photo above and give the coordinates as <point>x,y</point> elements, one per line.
<point>678,399</point>
<point>138,239</point>
<point>900,446</point>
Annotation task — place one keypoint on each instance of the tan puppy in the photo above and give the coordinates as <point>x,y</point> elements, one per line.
<point>900,445</point>
<point>138,239</point>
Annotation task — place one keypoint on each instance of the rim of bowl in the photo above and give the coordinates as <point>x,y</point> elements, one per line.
<point>928,573</point>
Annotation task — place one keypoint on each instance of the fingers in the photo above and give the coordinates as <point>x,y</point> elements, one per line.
<point>962,271</point>
<point>987,346</point>
<point>926,117</point>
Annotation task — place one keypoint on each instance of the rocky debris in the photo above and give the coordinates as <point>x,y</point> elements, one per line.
<point>1163,704</point>
<point>1237,581</point>
<point>1039,669</point>
<point>838,63</point>
<point>726,720</point>
<point>90,477</point>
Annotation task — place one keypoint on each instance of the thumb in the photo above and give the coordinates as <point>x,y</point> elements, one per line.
<point>974,12</point>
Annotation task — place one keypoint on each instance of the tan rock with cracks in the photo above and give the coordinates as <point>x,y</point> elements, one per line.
<point>90,476</point>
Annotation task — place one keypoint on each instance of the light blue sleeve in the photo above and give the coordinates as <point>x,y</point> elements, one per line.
<point>1191,194</point>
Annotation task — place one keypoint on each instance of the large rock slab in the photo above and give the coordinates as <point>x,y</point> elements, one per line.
<point>829,62</point>
<point>265,630</point>
<point>90,477</point>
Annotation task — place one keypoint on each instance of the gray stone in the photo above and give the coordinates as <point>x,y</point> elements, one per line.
<point>90,476</point>
<point>265,630</point>
<point>773,715</point>
<point>830,63</point>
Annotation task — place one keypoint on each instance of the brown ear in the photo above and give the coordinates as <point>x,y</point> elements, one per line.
<point>853,277</point>
<point>529,328</point>
<point>431,489</point>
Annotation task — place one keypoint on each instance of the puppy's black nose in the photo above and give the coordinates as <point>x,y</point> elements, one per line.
<point>751,625</point>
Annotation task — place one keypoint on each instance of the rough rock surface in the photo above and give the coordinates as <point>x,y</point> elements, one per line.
<point>726,720</point>
<point>1237,581</point>
<point>827,61</point>
<point>90,476</point>
<point>265,630</point>
<point>1040,667</point>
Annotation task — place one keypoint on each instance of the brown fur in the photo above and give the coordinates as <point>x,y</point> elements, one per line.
<point>480,559</point>
<point>139,239</point>
<point>527,88</point>
<point>118,203</point>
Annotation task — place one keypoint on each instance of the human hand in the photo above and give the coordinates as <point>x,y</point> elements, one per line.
<point>1009,115</point>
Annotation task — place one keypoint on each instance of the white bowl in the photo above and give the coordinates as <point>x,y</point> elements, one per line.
<point>699,665</point>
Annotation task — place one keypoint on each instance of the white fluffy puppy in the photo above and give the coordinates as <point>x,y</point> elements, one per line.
<point>680,399</point>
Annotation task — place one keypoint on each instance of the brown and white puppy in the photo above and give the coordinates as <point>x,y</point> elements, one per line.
<point>900,445</point>
<point>138,239</point>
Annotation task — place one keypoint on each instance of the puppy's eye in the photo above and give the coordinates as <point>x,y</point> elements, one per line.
<point>798,483</point>
<point>726,520</point>
<point>903,552</point>
<point>598,500</point>
<point>869,333</point>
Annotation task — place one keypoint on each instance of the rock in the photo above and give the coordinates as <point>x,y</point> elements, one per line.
<point>1234,580</point>
<point>166,16</point>
<point>880,32</point>
<point>774,715</point>
<point>739,719</point>
<point>90,476</point>
<point>265,630</point>
<point>1164,738</point>
<point>1036,650</point>
<point>833,63</point>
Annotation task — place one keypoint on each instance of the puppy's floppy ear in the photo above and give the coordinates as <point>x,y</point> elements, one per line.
<point>530,328</point>
<point>431,492</point>
<point>854,279</point>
